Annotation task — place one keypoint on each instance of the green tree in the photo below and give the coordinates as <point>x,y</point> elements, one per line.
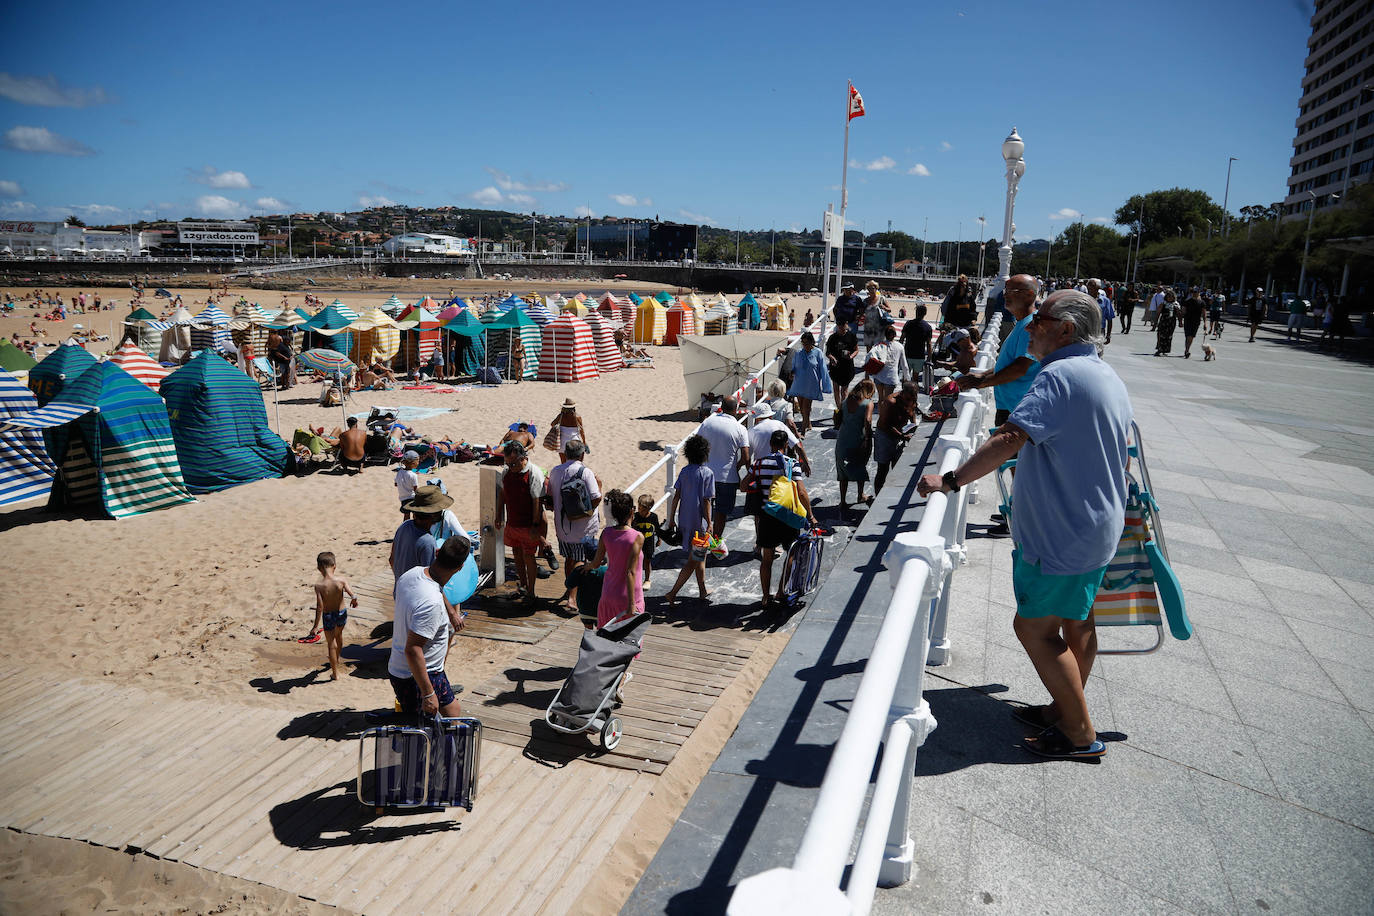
<point>904,246</point>
<point>75,220</point>
<point>787,252</point>
<point>1170,213</point>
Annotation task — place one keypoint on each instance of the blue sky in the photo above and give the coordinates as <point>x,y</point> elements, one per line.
<point>719,112</point>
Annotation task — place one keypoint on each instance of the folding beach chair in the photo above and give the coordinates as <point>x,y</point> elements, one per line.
<point>1139,587</point>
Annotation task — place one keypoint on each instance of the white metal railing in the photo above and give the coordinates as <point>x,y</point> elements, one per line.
<point>888,704</point>
<point>670,452</point>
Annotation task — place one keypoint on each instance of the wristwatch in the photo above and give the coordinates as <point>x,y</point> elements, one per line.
<point>949,480</point>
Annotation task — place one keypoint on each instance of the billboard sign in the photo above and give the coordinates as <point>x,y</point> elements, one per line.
<point>217,236</point>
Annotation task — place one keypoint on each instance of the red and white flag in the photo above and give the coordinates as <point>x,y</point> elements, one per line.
<point>856,103</point>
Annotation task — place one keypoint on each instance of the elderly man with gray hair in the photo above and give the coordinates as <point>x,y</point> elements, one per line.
<point>1069,431</point>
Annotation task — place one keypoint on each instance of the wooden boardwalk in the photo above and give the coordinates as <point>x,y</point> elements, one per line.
<point>676,680</point>
<point>488,617</point>
<point>260,795</point>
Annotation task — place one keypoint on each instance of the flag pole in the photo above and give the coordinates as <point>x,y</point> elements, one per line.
<point>844,192</point>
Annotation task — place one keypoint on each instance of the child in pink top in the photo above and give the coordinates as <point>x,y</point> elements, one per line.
<point>621,548</point>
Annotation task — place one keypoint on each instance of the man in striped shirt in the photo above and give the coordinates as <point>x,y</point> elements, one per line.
<point>770,533</point>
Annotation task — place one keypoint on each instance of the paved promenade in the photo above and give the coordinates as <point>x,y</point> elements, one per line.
<point>1238,776</point>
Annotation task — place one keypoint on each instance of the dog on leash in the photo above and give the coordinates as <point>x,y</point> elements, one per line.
<point>1209,352</point>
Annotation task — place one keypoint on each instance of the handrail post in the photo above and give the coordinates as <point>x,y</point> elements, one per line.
<point>952,534</point>
<point>670,468</point>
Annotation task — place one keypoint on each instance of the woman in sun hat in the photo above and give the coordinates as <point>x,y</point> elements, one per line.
<point>569,425</point>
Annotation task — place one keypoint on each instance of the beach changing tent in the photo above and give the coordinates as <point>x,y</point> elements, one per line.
<point>108,435</point>
<point>420,335</point>
<point>58,369</point>
<point>651,322</point>
<point>603,335</point>
<point>749,318</point>
<point>617,309</point>
<point>330,329</point>
<point>538,311</point>
<point>719,320</point>
<point>393,306</point>
<point>26,471</point>
<point>137,329</point>
<point>140,365</point>
<point>775,317</point>
<point>682,322</point>
<point>176,336</point>
<point>568,351</point>
<point>466,338</point>
<point>219,424</point>
<point>576,306</point>
<point>13,359</point>
<point>381,340</point>
<point>502,334</point>
<point>210,331</point>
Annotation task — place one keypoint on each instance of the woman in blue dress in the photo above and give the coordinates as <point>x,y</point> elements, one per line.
<point>810,381</point>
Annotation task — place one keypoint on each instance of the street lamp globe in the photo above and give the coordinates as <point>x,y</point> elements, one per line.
<point>1013,148</point>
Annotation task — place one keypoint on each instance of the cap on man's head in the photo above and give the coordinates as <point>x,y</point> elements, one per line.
<point>848,284</point>
<point>412,454</point>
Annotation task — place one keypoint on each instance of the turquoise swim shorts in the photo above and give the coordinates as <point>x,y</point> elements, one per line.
<point>1039,594</point>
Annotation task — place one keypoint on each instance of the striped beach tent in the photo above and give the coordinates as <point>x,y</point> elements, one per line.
<point>568,351</point>
<point>603,335</point>
<point>138,327</point>
<point>448,312</point>
<point>393,306</point>
<point>720,320</point>
<point>381,340</point>
<point>775,317</point>
<point>210,330</point>
<point>250,326</point>
<point>57,369</point>
<point>618,309</point>
<point>140,365</point>
<point>419,334</point>
<point>634,297</point>
<point>576,306</point>
<point>466,338</point>
<point>219,425</point>
<point>555,303</point>
<point>538,311</point>
<point>504,331</point>
<point>108,435</point>
<point>682,322</point>
<point>330,328</point>
<point>26,471</point>
<point>664,298</point>
<point>651,322</point>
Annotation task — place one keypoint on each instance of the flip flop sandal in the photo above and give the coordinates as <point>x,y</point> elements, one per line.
<point>312,638</point>
<point>1055,745</point>
<point>1034,716</point>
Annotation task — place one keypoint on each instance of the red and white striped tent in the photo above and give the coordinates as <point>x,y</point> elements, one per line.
<point>619,309</point>
<point>567,351</point>
<point>607,353</point>
<point>682,322</point>
<point>140,365</point>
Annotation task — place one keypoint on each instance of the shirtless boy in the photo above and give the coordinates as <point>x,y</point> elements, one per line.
<point>329,609</point>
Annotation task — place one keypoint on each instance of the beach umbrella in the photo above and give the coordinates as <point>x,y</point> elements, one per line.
<point>721,365</point>
<point>140,314</point>
<point>330,362</point>
<point>13,359</point>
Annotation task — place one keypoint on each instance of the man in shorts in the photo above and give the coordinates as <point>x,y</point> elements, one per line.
<point>1070,497</point>
<point>572,530</point>
<point>352,442</point>
<point>520,512</point>
<point>729,443</point>
<point>771,534</point>
<point>421,632</point>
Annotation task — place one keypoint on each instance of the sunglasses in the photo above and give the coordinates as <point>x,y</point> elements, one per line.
<point>1043,316</point>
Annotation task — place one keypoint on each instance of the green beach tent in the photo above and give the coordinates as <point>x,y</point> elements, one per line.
<point>468,345</point>
<point>108,435</point>
<point>501,335</point>
<point>220,426</point>
<point>13,359</point>
<point>58,369</point>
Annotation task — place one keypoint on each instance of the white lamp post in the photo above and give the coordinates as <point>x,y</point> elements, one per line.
<point>1013,148</point>
<point>1307,242</point>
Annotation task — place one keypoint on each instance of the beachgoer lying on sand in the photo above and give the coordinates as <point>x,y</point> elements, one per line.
<point>520,433</point>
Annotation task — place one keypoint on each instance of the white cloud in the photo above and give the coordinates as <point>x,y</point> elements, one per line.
<point>375,200</point>
<point>10,189</point>
<point>225,179</point>
<point>488,195</point>
<point>919,169</point>
<point>506,183</point>
<point>1064,213</point>
<point>45,91</point>
<point>696,217</point>
<point>215,205</point>
<point>881,164</point>
<point>629,200</point>
<point>95,210</point>
<point>41,140</point>
<point>17,208</point>
<point>271,205</point>
<point>946,146</point>
<point>520,199</point>
<point>583,211</point>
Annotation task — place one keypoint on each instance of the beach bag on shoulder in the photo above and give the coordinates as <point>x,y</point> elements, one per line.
<point>783,501</point>
<point>875,363</point>
<point>551,439</point>
<point>575,498</point>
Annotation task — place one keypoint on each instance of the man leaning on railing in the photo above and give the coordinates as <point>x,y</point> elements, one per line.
<point>1070,432</point>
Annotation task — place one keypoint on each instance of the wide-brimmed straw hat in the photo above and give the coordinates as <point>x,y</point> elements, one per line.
<point>428,500</point>
<point>569,402</point>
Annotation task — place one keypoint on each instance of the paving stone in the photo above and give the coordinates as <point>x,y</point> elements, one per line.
<point>1293,668</point>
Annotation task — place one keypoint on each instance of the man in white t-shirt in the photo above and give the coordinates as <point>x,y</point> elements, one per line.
<point>729,451</point>
<point>421,632</point>
<point>760,437</point>
<point>574,533</point>
<point>1152,310</point>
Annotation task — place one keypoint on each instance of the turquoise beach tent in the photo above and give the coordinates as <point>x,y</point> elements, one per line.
<point>220,426</point>
<point>332,318</point>
<point>635,299</point>
<point>469,347</point>
<point>749,313</point>
<point>57,369</point>
<point>26,471</point>
<point>664,297</point>
<point>502,332</point>
<point>108,435</point>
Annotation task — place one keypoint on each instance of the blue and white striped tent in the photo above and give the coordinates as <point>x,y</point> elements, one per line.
<point>26,471</point>
<point>108,435</point>
<point>220,426</point>
<point>211,331</point>
<point>538,311</point>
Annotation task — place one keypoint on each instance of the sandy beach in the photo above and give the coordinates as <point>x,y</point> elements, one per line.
<point>208,599</point>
